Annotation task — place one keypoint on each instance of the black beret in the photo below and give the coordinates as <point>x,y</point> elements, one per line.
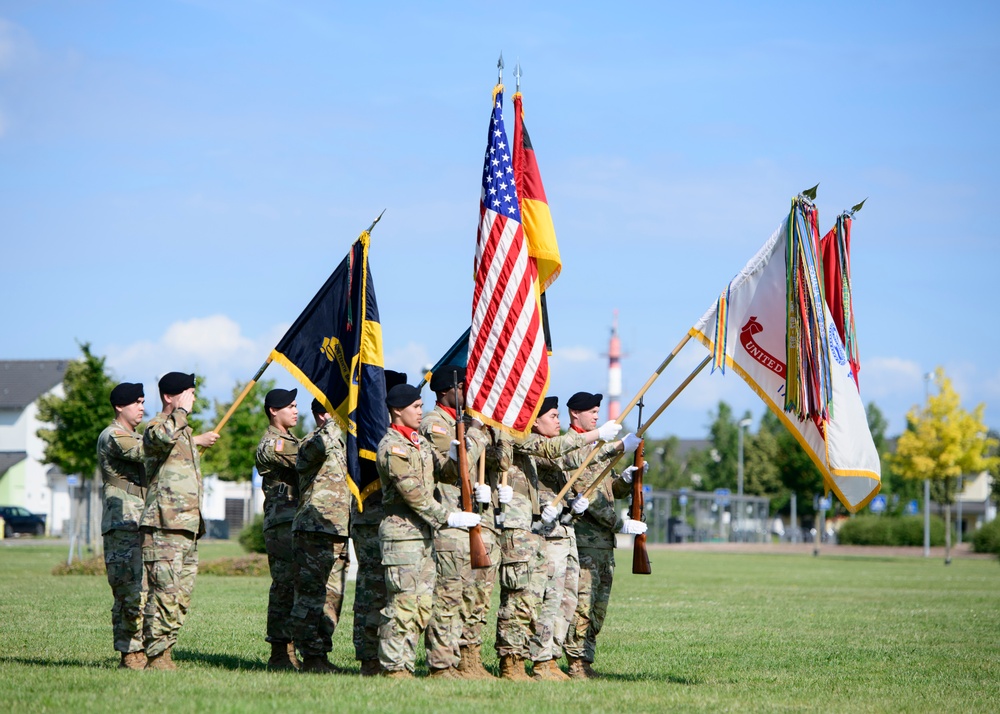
<point>582,401</point>
<point>443,378</point>
<point>279,398</point>
<point>126,393</point>
<point>393,378</point>
<point>318,407</point>
<point>402,395</point>
<point>176,382</point>
<point>548,404</point>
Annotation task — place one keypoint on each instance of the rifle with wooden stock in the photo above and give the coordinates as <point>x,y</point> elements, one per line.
<point>640,558</point>
<point>478,555</point>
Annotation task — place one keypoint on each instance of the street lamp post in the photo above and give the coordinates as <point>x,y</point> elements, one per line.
<point>744,423</point>
<point>928,378</point>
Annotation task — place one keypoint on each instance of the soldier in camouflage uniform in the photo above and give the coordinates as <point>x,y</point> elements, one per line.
<point>119,456</point>
<point>448,654</point>
<point>369,588</point>
<point>320,530</point>
<point>171,521</point>
<point>522,568</point>
<point>595,536</point>
<point>406,472</point>
<point>275,461</point>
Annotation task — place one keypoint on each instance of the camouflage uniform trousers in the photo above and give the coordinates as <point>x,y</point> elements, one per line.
<point>477,599</point>
<point>461,596</point>
<point>127,578</point>
<point>562,575</point>
<point>171,561</point>
<point>597,569</point>
<point>369,591</point>
<point>320,576</point>
<point>409,584</point>
<point>522,584</point>
<point>280,547</point>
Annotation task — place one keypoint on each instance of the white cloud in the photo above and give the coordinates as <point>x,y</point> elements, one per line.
<point>882,377</point>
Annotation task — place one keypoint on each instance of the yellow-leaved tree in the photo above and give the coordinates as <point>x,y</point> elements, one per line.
<point>943,441</point>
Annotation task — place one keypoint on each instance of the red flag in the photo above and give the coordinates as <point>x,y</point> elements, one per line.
<point>508,369</point>
<point>836,252</point>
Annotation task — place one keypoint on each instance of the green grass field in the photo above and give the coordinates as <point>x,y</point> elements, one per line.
<point>705,632</point>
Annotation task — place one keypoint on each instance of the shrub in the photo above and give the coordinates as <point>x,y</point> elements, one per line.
<point>888,530</point>
<point>252,565</point>
<point>91,566</point>
<point>252,537</point>
<point>987,538</point>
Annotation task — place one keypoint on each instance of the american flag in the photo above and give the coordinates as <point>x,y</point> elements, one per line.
<point>508,370</point>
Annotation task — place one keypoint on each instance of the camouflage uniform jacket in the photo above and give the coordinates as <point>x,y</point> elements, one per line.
<point>597,527</point>
<point>406,471</point>
<point>119,456</point>
<point>324,497</point>
<point>553,474</point>
<point>275,462</point>
<point>173,466</point>
<point>438,427</point>
<point>522,475</point>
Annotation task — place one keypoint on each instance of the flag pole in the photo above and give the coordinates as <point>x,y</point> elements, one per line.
<point>642,430</point>
<point>243,395</point>
<point>267,362</point>
<point>621,418</point>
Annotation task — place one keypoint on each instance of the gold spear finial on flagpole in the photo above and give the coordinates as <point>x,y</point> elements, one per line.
<point>379,218</point>
<point>517,76</point>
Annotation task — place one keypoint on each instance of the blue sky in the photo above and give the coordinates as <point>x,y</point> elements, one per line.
<point>178,178</point>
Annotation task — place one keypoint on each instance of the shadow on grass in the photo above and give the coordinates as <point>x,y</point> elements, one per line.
<point>634,677</point>
<point>38,662</point>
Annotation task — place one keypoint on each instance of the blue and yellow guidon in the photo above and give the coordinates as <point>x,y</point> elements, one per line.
<point>335,349</point>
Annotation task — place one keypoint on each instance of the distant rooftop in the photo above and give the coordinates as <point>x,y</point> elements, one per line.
<point>24,381</point>
<point>11,458</point>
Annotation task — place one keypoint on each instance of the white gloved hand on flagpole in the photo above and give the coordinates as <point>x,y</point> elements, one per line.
<point>608,430</point>
<point>461,519</point>
<point>633,527</point>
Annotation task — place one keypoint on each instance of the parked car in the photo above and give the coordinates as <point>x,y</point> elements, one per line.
<point>21,520</point>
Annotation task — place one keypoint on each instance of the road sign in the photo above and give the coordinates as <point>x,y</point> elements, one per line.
<point>722,496</point>
<point>824,504</point>
<point>72,481</point>
<point>912,508</point>
<point>647,489</point>
<point>877,504</point>
<point>683,499</point>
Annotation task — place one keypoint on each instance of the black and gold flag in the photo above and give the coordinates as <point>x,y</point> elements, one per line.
<point>335,349</point>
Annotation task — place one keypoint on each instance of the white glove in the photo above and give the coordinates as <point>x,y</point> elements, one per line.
<point>631,443</point>
<point>550,513</point>
<point>461,519</point>
<point>608,430</point>
<point>453,450</point>
<point>482,493</point>
<point>632,527</point>
<point>505,494</point>
<point>630,471</point>
<point>580,504</point>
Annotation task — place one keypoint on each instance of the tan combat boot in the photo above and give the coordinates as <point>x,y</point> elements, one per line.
<point>547,671</point>
<point>445,673</point>
<point>133,660</point>
<point>370,668</point>
<point>317,664</point>
<point>589,671</point>
<point>512,668</point>
<point>576,670</point>
<point>471,664</point>
<point>397,674</point>
<point>162,661</point>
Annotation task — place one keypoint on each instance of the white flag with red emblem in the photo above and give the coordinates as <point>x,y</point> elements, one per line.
<point>747,328</point>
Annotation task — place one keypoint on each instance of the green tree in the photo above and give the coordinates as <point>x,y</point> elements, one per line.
<point>943,441</point>
<point>665,469</point>
<point>721,466</point>
<point>760,468</point>
<point>795,469</point>
<point>78,417</point>
<point>232,457</point>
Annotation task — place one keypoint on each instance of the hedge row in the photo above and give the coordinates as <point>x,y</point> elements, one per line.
<point>889,530</point>
<point>987,538</point>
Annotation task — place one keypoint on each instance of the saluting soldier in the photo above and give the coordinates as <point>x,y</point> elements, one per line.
<point>406,472</point>
<point>171,521</point>
<point>320,530</point>
<point>522,568</point>
<point>595,537</point>
<point>275,461</point>
<point>369,588</point>
<point>448,654</point>
<point>119,456</point>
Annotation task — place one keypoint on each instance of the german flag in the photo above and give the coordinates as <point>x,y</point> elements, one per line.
<point>535,215</point>
<point>334,348</point>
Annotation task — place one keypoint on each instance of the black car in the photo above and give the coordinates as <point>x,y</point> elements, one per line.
<point>21,520</point>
